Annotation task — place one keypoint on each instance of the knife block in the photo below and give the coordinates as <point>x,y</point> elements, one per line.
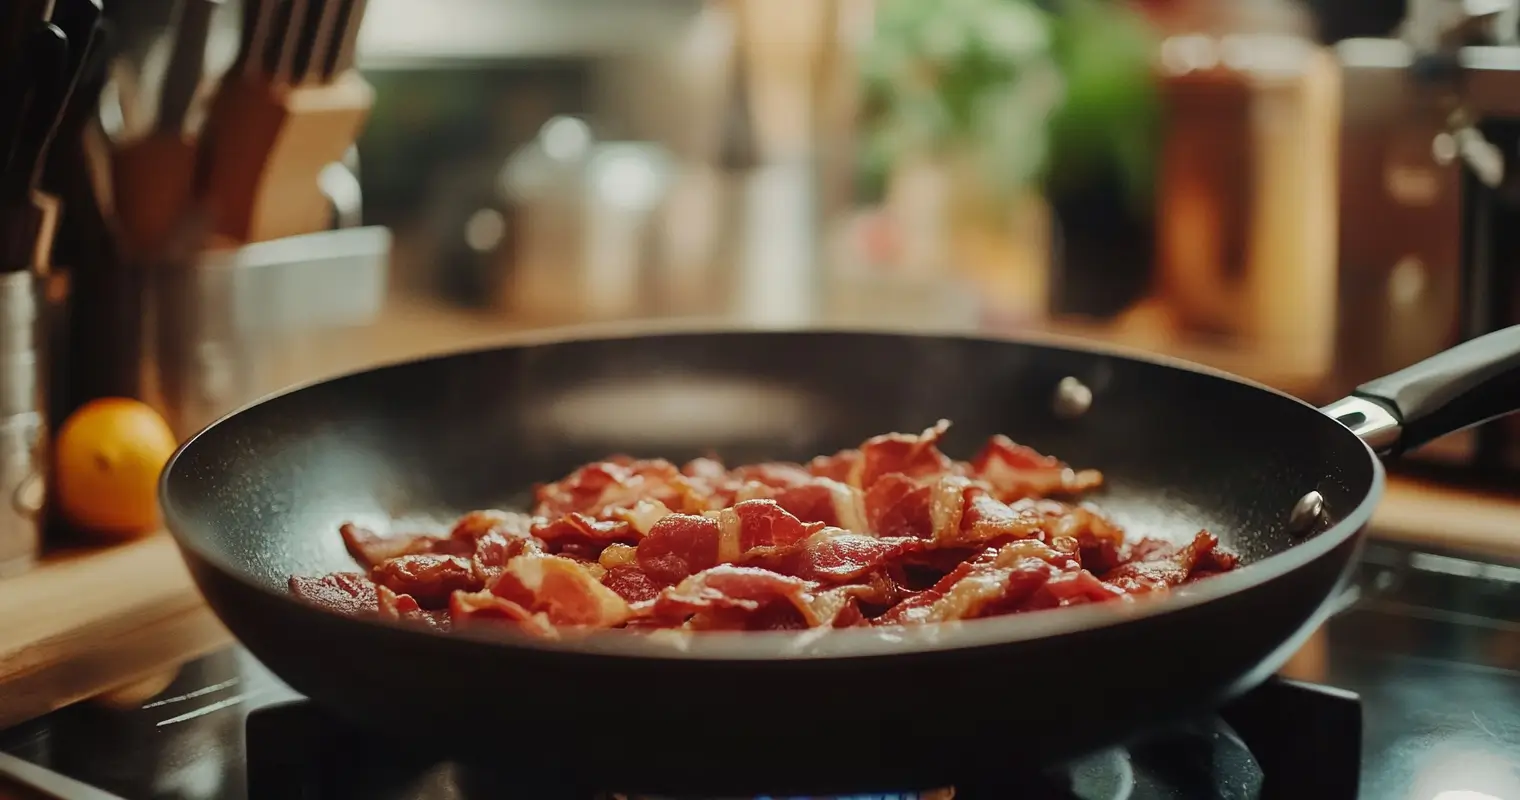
<point>271,144</point>
<point>153,180</point>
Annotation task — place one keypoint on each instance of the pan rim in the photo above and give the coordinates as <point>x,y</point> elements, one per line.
<point>818,644</point>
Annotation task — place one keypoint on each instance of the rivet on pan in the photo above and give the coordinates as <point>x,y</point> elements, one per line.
<point>1073,398</point>
<point>1307,513</point>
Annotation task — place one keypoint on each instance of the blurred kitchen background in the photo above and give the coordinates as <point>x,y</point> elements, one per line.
<point>244,194</point>
<point>1277,188</point>
<point>1309,194</point>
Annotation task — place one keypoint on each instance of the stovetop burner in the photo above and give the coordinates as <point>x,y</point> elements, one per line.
<point>1283,740</point>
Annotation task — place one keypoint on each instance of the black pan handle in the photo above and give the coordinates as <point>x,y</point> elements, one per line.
<point>1469,384</point>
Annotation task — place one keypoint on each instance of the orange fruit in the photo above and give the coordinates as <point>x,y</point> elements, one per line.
<point>106,461</point>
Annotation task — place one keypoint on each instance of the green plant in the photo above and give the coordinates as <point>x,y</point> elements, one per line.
<point>1109,119</point>
<point>1015,91</point>
<point>969,81</point>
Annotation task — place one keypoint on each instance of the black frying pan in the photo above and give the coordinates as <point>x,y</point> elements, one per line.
<point>259,496</point>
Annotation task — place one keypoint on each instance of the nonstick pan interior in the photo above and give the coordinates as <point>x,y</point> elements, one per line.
<point>258,497</point>
<point>263,491</point>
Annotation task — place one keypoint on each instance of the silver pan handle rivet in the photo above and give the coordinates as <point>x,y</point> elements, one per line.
<point>1306,514</point>
<point>1073,398</point>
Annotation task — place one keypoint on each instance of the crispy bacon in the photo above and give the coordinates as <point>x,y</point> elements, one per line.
<point>578,528</point>
<point>828,501</point>
<point>473,608</point>
<point>370,548</point>
<point>726,596</point>
<point>631,583</point>
<point>839,607</point>
<point>833,556</point>
<point>494,550</point>
<point>476,524</point>
<point>998,576</point>
<point>1164,567</point>
<point>595,488</point>
<point>677,546</point>
<point>563,590</point>
<point>396,606</point>
<point>428,577</point>
<point>642,516</point>
<point>1015,471</point>
<point>764,523</point>
<point>892,532</point>
<point>404,607</point>
<point>913,456</point>
<point>897,506</point>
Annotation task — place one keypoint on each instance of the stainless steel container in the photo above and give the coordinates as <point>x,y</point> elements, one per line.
<point>219,322</point>
<point>22,423</point>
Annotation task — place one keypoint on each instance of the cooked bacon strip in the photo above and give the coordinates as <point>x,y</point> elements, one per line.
<point>495,549</point>
<point>404,607</point>
<point>595,488</point>
<point>343,592</point>
<point>472,608</point>
<point>631,583</point>
<point>476,524</point>
<point>565,591</point>
<point>954,511</point>
<point>833,556</point>
<point>892,532</point>
<point>677,546</point>
<point>997,576</point>
<point>1015,471</point>
<point>680,545</point>
<point>711,597</point>
<point>428,577</point>
<point>762,523</point>
<point>985,519</point>
<point>578,528</point>
<point>642,516</point>
<point>839,607</point>
<point>828,501</point>
<point>896,505</point>
<point>1161,569</point>
<point>370,548</point>
<point>913,456</point>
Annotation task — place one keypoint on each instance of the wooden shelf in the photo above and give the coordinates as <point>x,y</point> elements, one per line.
<point>89,621</point>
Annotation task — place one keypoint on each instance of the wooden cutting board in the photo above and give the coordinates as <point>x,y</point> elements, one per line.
<point>88,621</point>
